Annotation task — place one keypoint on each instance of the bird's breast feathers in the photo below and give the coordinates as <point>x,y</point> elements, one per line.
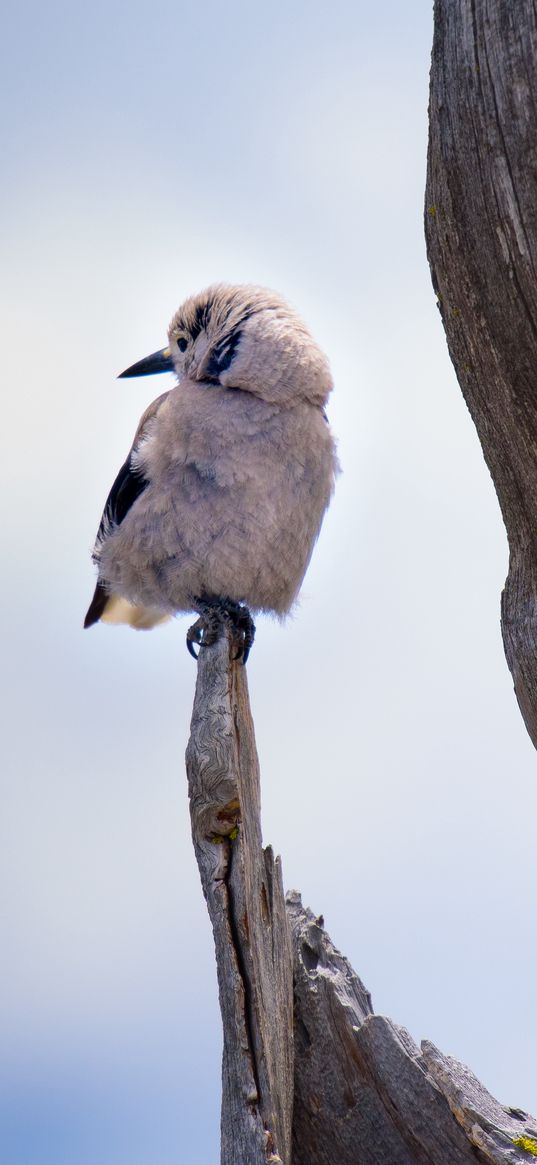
<point>228,438</point>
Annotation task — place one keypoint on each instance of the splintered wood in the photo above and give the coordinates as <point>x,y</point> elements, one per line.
<point>327,1082</point>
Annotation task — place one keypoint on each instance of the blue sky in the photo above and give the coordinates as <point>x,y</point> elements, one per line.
<point>150,151</point>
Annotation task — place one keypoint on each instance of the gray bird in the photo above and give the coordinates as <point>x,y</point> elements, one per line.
<point>217,508</point>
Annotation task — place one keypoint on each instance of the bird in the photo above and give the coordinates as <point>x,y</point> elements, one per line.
<point>219,503</point>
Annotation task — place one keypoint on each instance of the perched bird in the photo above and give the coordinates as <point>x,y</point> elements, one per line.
<point>217,508</point>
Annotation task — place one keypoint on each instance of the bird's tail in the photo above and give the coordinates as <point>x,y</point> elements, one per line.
<point>110,608</point>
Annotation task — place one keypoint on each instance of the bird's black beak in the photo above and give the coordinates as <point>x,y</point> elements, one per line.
<point>156,362</point>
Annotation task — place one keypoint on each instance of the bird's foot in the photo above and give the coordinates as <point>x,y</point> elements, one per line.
<point>205,631</point>
<point>243,626</point>
<point>214,614</point>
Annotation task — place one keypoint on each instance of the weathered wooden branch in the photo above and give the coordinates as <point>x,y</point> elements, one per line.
<point>243,888</point>
<point>365,1094</point>
<point>329,1083</point>
<point>481,227</point>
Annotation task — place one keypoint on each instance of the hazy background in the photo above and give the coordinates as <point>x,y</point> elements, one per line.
<point>149,150</point>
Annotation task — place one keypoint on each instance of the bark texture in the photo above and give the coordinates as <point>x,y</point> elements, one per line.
<point>326,1081</point>
<point>481,229</point>
<point>365,1094</point>
<point>242,884</point>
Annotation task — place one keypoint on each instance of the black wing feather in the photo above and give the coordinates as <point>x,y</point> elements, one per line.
<point>129,484</point>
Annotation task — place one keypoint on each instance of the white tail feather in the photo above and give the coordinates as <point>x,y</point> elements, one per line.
<point>119,610</point>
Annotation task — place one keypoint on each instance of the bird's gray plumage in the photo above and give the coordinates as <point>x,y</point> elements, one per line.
<point>229,475</point>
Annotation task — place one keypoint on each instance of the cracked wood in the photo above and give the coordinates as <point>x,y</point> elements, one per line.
<point>242,883</point>
<point>328,1081</point>
<point>365,1094</point>
<point>481,229</point>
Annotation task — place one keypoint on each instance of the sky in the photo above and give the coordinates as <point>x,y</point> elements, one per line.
<point>150,150</point>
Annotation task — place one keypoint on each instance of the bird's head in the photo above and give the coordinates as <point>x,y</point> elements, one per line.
<point>244,338</point>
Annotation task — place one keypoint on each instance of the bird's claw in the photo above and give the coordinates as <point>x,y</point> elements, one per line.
<point>204,631</point>
<point>195,635</point>
<point>214,614</point>
<point>244,625</point>
<point>190,645</point>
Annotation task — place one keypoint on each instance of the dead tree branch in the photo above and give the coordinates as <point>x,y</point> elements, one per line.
<point>361,1092</point>
<point>242,884</point>
<point>365,1094</point>
<point>481,228</point>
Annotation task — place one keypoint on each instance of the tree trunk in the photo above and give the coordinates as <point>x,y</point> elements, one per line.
<point>361,1092</point>
<point>481,228</point>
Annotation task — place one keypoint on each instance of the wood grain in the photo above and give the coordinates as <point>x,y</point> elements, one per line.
<point>323,1081</point>
<point>365,1094</point>
<point>242,883</point>
<point>481,229</point>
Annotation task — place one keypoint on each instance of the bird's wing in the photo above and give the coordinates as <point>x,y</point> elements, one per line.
<point>128,485</point>
<point>130,481</point>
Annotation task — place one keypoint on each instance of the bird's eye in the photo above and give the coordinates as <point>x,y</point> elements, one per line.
<point>182,343</point>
